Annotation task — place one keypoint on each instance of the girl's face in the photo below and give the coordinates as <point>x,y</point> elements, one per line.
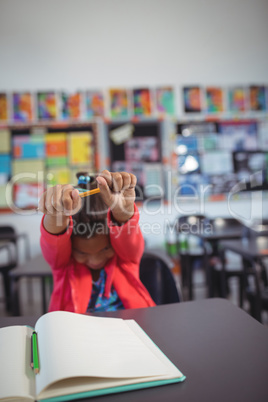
<point>93,252</point>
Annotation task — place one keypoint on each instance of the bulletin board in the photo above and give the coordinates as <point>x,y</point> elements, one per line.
<point>216,156</point>
<point>33,157</point>
<point>135,147</point>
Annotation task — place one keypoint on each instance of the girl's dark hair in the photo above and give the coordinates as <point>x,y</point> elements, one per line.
<point>92,217</point>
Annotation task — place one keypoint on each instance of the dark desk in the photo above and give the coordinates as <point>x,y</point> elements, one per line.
<point>37,267</point>
<point>213,234</point>
<point>221,233</point>
<point>252,250</point>
<point>221,349</point>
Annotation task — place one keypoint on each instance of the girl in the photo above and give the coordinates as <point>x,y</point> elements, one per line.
<point>94,245</point>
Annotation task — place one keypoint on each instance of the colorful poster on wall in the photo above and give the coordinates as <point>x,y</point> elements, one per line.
<point>143,149</point>
<point>58,175</point>
<point>257,98</point>
<point>71,104</point>
<point>142,102</point>
<point>3,107</point>
<point>165,101</point>
<point>238,135</point>
<point>56,149</point>
<point>28,146</point>
<point>5,168</point>
<point>28,170</point>
<point>214,99</point>
<point>5,164</point>
<point>47,106</point>
<point>81,149</point>
<point>27,195</point>
<point>192,99</point>
<point>22,104</point>
<point>3,199</point>
<point>94,104</point>
<point>119,103</point>
<point>5,136</point>
<point>237,99</point>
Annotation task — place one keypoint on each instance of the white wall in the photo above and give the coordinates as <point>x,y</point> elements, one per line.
<point>66,44</point>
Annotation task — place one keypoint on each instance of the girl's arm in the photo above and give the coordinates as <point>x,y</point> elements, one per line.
<point>58,203</point>
<point>118,192</point>
<point>127,240</point>
<point>56,249</point>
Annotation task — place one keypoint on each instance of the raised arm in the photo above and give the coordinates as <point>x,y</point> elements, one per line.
<point>58,203</point>
<point>127,240</point>
<point>118,192</point>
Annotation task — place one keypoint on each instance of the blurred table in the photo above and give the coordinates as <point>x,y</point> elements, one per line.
<point>252,248</point>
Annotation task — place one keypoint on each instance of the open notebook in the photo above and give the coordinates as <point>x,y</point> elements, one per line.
<point>81,356</point>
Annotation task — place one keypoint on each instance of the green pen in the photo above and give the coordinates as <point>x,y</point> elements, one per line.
<point>35,353</point>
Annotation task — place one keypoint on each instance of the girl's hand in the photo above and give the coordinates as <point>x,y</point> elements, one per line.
<point>60,200</point>
<point>118,192</point>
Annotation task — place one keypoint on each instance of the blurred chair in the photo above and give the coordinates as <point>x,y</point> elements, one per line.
<point>216,263</point>
<point>187,227</point>
<point>6,265</point>
<point>38,268</point>
<point>241,272</point>
<point>9,236</point>
<point>157,277</point>
<point>257,290</point>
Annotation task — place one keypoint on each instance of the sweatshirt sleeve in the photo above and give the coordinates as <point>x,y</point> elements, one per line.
<point>56,249</point>
<point>127,240</point>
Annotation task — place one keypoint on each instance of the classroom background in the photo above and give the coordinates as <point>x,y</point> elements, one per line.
<point>175,92</point>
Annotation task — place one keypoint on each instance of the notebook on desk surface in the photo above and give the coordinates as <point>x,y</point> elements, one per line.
<point>80,356</point>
